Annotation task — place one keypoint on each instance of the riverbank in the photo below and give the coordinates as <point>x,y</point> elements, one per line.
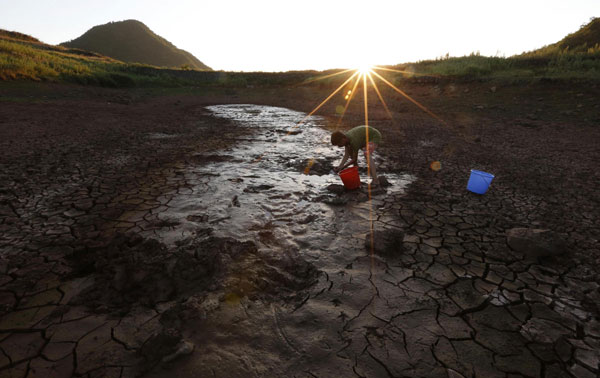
<point>85,170</point>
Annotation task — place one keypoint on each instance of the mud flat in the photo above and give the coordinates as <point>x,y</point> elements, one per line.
<point>161,237</point>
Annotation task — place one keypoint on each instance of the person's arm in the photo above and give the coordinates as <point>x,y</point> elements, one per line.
<point>354,158</point>
<point>346,156</point>
<point>353,161</point>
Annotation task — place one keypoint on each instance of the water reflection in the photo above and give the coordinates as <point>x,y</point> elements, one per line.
<point>267,188</point>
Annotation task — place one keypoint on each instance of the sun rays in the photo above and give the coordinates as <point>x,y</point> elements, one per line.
<point>366,75</point>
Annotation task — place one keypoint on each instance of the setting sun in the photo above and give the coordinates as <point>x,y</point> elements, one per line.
<point>364,68</point>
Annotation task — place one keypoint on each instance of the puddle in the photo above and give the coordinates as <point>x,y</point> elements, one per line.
<point>271,188</point>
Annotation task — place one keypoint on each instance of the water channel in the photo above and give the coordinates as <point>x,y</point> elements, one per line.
<point>271,187</point>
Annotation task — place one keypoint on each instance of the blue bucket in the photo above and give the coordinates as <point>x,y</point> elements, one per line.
<point>479,181</point>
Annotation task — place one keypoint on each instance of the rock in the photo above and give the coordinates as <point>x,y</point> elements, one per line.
<point>183,348</point>
<point>385,242</point>
<point>257,188</point>
<point>383,182</point>
<point>535,242</point>
<point>336,188</point>
<point>318,167</point>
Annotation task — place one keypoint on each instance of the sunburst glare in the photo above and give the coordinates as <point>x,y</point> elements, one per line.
<point>364,68</point>
<point>367,74</point>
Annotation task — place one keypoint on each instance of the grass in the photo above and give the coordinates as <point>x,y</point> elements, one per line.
<point>21,60</point>
<point>577,56</point>
<point>31,60</point>
<point>560,66</point>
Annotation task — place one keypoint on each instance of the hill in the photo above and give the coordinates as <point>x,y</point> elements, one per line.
<point>585,40</point>
<point>577,56</point>
<point>132,41</point>
<point>23,57</point>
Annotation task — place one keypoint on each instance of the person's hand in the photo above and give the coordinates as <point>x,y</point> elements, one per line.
<point>336,169</point>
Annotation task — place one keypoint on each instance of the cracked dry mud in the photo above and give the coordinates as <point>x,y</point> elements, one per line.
<point>184,251</point>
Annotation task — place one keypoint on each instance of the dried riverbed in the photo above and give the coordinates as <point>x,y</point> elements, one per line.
<point>192,243</point>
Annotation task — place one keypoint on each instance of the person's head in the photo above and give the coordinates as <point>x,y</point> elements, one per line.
<point>339,139</point>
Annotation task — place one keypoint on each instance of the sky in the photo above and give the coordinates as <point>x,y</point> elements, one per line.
<point>283,35</point>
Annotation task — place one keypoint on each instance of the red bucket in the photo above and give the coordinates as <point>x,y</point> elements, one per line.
<point>350,178</point>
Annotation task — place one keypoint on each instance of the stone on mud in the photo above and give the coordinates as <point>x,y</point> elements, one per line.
<point>257,188</point>
<point>385,242</point>
<point>383,182</point>
<point>535,243</point>
<point>336,188</point>
<point>317,167</point>
<point>184,348</point>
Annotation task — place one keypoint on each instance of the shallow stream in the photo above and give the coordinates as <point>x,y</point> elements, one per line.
<point>271,187</point>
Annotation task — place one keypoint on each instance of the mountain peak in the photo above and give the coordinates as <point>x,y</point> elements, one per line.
<point>133,41</point>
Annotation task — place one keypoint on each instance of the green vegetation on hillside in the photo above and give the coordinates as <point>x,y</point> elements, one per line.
<point>132,41</point>
<point>24,57</point>
<point>575,56</point>
<point>27,59</point>
<point>584,41</point>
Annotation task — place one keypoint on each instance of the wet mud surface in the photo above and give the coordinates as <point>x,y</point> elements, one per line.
<point>276,188</point>
<point>165,237</point>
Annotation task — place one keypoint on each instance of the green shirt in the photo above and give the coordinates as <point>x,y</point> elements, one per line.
<point>358,137</point>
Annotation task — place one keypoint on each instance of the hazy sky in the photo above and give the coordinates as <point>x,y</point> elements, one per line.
<point>264,35</point>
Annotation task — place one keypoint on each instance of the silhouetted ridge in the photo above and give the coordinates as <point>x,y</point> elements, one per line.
<point>132,41</point>
<point>585,40</point>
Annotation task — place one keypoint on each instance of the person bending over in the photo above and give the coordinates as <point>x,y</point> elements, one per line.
<point>365,137</point>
